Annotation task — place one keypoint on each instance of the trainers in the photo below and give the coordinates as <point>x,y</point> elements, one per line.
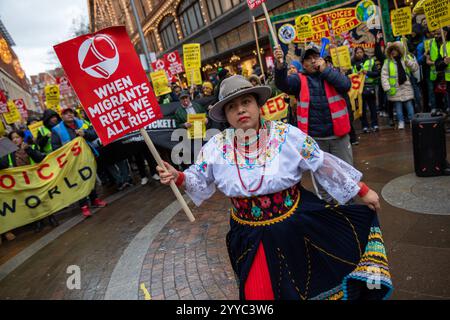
<point>376,128</point>
<point>99,203</point>
<point>401,125</point>
<point>86,212</point>
<point>156,177</point>
<point>144,181</point>
<point>355,143</point>
<point>365,130</point>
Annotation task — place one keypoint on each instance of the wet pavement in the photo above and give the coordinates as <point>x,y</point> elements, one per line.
<point>139,247</point>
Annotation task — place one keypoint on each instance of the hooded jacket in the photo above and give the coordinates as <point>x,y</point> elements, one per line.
<point>43,140</point>
<point>405,92</point>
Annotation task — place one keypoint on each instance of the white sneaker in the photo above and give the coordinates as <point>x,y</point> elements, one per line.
<point>156,177</point>
<point>401,125</point>
<point>144,180</point>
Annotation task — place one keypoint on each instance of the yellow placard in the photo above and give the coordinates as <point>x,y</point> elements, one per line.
<point>303,26</point>
<point>13,115</point>
<point>160,83</point>
<point>30,193</point>
<point>2,128</point>
<point>437,13</point>
<point>355,93</point>
<point>341,57</point>
<point>194,74</point>
<point>35,127</point>
<point>275,109</point>
<point>401,21</point>
<point>192,56</point>
<point>51,95</point>
<point>198,128</point>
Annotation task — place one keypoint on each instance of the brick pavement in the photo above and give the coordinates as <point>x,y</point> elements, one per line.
<point>190,260</point>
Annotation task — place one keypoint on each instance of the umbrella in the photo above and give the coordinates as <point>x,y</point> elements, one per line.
<point>6,147</point>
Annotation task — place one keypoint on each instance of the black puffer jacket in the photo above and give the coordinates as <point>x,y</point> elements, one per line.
<point>320,124</point>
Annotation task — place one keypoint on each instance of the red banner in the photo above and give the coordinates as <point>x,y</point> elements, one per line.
<point>107,76</point>
<point>252,4</point>
<point>173,62</point>
<point>20,104</point>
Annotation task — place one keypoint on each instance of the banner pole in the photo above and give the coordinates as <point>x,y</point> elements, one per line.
<point>269,23</point>
<point>175,190</point>
<point>257,48</point>
<point>144,133</point>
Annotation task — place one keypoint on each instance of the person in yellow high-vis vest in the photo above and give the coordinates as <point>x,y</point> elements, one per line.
<point>442,64</point>
<point>44,136</point>
<point>362,63</point>
<point>425,50</point>
<point>395,79</point>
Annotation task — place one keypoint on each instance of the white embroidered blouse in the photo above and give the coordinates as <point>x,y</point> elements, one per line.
<point>288,153</point>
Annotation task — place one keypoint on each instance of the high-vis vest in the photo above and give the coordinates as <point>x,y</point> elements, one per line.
<point>367,66</point>
<point>445,54</point>
<point>63,133</point>
<point>10,160</point>
<point>337,105</point>
<point>45,132</point>
<point>432,48</point>
<point>393,76</point>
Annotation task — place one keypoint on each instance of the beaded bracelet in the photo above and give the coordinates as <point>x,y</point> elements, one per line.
<point>364,189</point>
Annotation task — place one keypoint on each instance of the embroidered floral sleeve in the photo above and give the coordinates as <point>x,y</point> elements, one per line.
<point>336,176</point>
<point>199,177</point>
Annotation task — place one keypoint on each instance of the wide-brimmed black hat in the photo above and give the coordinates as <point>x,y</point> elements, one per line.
<point>233,87</point>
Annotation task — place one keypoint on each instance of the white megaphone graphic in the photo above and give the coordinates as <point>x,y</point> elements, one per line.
<point>98,56</point>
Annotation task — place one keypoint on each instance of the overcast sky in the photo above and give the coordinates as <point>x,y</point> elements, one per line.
<point>37,25</point>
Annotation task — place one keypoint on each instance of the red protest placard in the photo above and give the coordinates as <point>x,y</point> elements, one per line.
<point>252,4</point>
<point>20,104</point>
<point>162,64</point>
<point>106,74</point>
<point>173,62</point>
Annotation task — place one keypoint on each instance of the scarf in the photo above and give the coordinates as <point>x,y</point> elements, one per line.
<point>401,71</point>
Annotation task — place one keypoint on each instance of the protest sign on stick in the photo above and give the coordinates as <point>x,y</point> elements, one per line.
<point>108,78</point>
<point>437,13</point>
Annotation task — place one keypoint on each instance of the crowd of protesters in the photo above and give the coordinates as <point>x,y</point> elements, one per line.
<point>401,79</point>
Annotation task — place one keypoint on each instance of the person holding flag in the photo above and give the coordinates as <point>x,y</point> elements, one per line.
<point>284,242</point>
<point>321,107</point>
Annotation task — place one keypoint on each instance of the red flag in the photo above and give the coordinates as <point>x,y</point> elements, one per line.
<point>107,76</point>
<point>252,4</point>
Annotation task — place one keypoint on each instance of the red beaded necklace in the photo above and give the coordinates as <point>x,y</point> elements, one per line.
<point>239,171</point>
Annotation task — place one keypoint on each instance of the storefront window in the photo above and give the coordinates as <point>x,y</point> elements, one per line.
<point>151,40</point>
<point>191,16</point>
<point>217,7</point>
<point>168,32</point>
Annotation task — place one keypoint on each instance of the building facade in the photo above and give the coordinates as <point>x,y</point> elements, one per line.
<point>224,28</point>
<point>13,81</point>
<point>68,98</point>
